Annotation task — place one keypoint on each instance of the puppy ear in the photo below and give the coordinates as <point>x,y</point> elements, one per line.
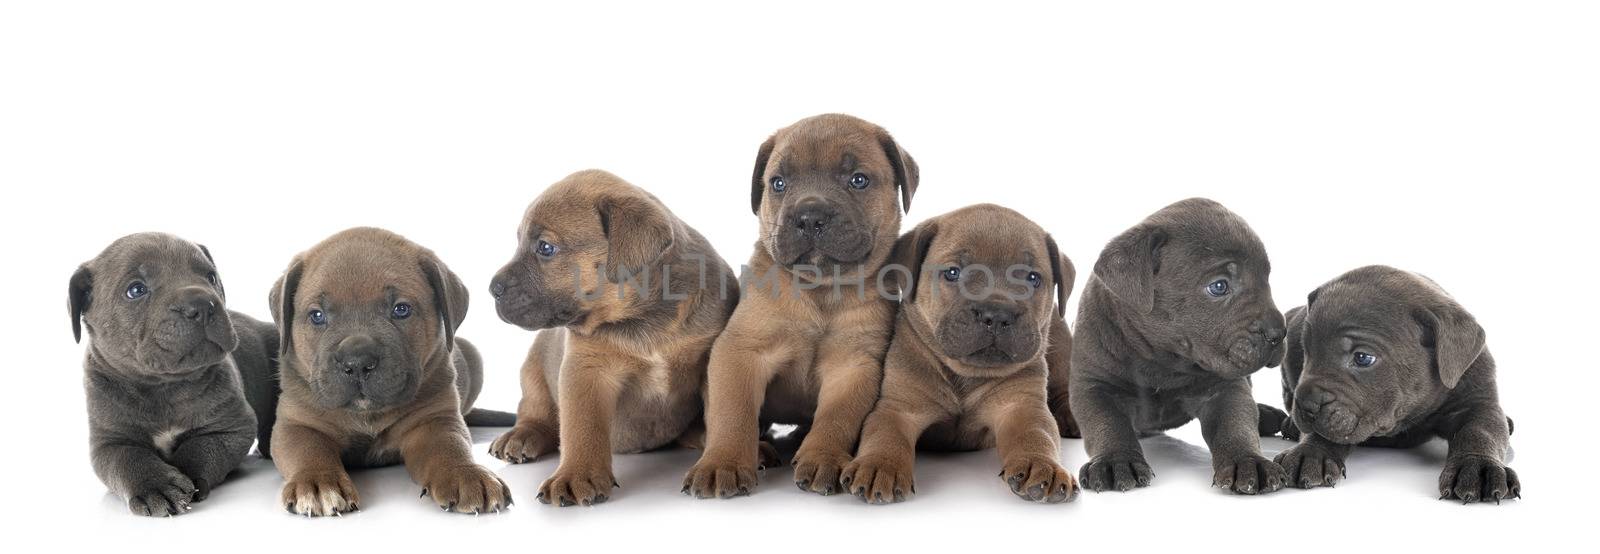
<point>758,185</point>
<point>78,299</point>
<point>207,252</point>
<point>1129,264</point>
<point>281,299</point>
<point>637,234</point>
<point>449,297</point>
<point>906,174</point>
<point>909,252</point>
<point>1063,273</point>
<point>1454,337</point>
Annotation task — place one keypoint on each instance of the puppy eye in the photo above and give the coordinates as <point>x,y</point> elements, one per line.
<point>778,184</point>
<point>401,310</point>
<point>1363,359</point>
<point>318,317</point>
<point>859,181</point>
<point>952,274</point>
<point>137,289</point>
<point>212,278</point>
<point>1218,287</point>
<point>1035,279</point>
<point>545,249</point>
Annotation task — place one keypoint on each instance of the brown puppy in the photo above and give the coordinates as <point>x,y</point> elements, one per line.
<point>373,375</point>
<point>806,343</point>
<point>632,299</point>
<point>967,367</point>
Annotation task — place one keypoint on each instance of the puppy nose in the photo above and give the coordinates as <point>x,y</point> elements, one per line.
<point>994,316</point>
<point>812,218</point>
<point>196,305</point>
<point>1272,333</point>
<point>357,353</point>
<point>497,288</point>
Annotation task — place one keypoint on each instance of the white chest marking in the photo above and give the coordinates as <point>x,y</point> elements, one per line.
<point>165,440</point>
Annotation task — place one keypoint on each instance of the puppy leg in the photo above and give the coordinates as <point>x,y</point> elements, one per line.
<point>1314,462</point>
<point>437,450</point>
<point>1058,360</point>
<point>536,431</point>
<point>588,399</point>
<point>851,376</point>
<point>315,482</point>
<point>137,473</point>
<point>1116,461</point>
<point>882,469</point>
<point>1229,423</point>
<point>1030,452</point>
<point>209,457</point>
<point>736,385</point>
<point>1475,467</point>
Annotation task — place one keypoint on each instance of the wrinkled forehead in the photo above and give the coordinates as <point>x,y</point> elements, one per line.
<point>1347,309</point>
<point>827,149</point>
<point>352,276</point>
<point>152,256</point>
<point>995,241</point>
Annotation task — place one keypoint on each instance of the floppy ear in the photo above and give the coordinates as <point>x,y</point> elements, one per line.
<point>449,297</point>
<point>909,252</point>
<point>1062,272</point>
<point>637,234</point>
<point>1454,337</point>
<point>207,252</point>
<point>1129,264</point>
<point>906,174</point>
<point>78,299</point>
<point>281,299</point>
<point>758,185</point>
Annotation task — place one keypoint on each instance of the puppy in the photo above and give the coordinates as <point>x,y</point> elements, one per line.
<point>373,375</point>
<point>1384,357</point>
<point>166,371</point>
<point>806,343</point>
<point>1176,316</point>
<point>966,369</point>
<point>631,299</point>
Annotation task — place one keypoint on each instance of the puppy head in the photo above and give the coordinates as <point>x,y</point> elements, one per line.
<point>986,283</point>
<point>153,305</point>
<point>1193,276</point>
<point>829,191</point>
<point>582,241</point>
<point>363,315</point>
<point>1382,346</point>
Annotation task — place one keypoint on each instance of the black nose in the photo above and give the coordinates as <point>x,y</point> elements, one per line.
<point>195,304</point>
<point>1273,333</point>
<point>497,288</point>
<point>357,353</point>
<point>994,316</point>
<point>812,218</point>
<point>1309,400</point>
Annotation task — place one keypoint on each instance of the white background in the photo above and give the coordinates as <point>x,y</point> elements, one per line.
<point>1457,139</point>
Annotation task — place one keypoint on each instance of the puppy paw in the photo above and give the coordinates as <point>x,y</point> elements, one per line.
<point>1248,474</point>
<point>1310,466</point>
<point>166,496</point>
<point>879,479</point>
<point>1119,471</point>
<point>572,486</point>
<point>1039,479</point>
<point>320,494</point>
<point>1470,479</point>
<point>818,471</point>
<point>524,443</point>
<point>467,490</point>
<point>719,477</point>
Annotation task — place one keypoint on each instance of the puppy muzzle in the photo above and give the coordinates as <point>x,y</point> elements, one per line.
<point>1320,411</point>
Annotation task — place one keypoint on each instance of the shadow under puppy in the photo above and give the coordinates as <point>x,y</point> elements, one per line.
<point>967,368</point>
<point>1384,357</point>
<point>373,375</point>
<point>630,299</point>
<point>167,371</point>
<point>1176,316</point>
<point>806,343</point>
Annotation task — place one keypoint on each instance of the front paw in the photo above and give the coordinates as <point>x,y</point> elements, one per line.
<point>1472,478</point>
<point>1248,474</point>
<point>320,494</point>
<point>467,490</point>
<point>524,443</point>
<point>1120,471</point>
<point>1039,479</point>
<point>571,486</point>
<point>719,477</point>
<point>166,496</point>
<point>1310,466</point>
<point>818,471</point>
<point>879,479</point>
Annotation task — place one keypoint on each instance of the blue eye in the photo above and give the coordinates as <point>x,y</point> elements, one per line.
<point>1218,287</point>
<point>318,317</point>
<point>778,184</point>
<point>401,310</point>
<point>545,249</point>
<point>859,181</point>
<point>137,289</point>
<point>1035,279</point>
<point>952,274</point>
<point>1364,360</point>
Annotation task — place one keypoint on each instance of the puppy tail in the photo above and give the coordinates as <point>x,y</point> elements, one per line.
<point>1271,421</point>
<point>480,417</point>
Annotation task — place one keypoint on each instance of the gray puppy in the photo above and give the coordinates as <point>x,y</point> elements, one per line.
<point>1173,321</point>
<point>168,416</point>
<point>1384,357</point>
